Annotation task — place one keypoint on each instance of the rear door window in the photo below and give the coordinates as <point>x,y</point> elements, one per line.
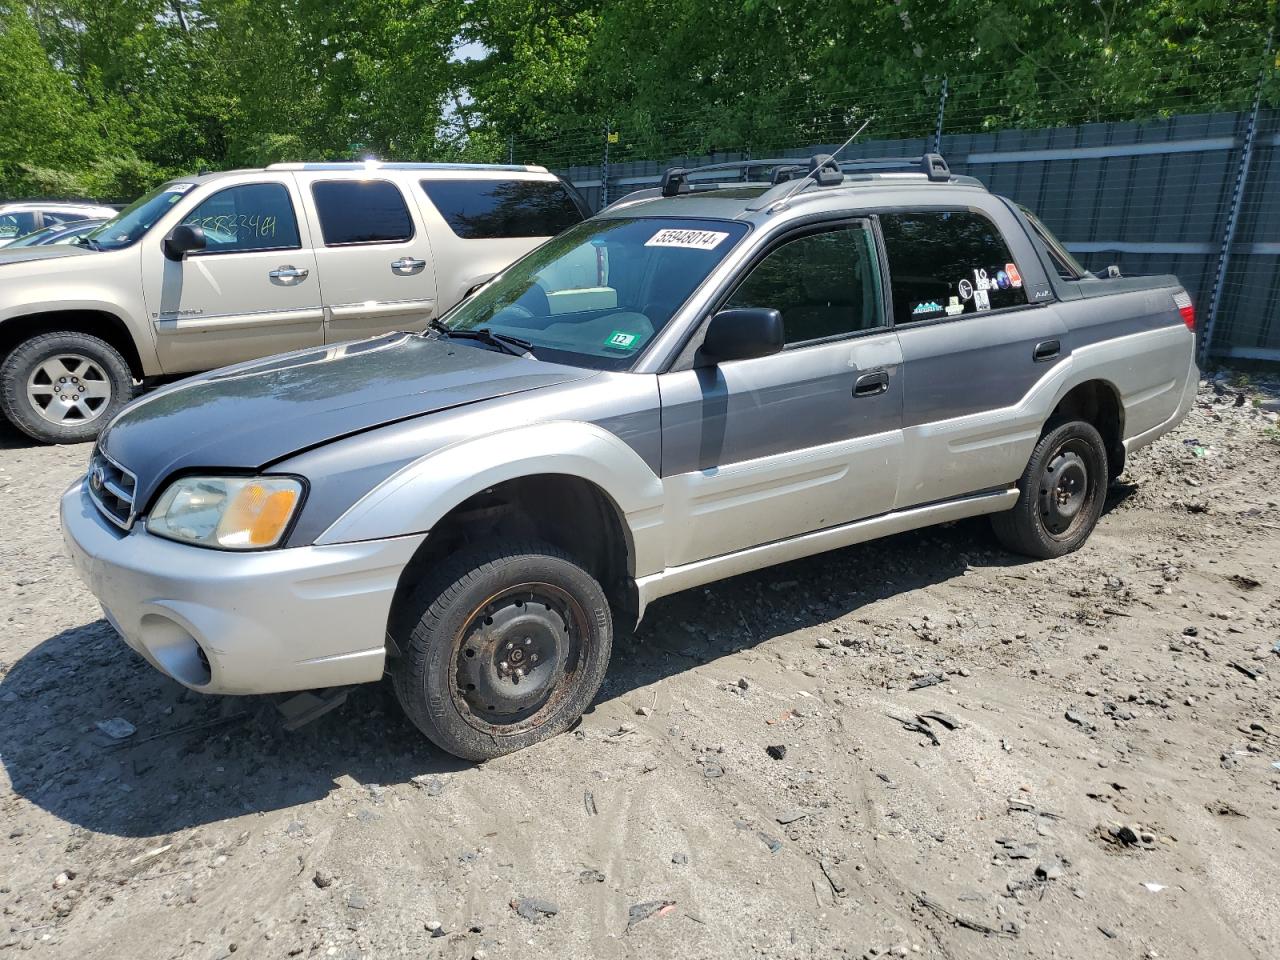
<point>945,263</point>
<point>361,211</point>
<point>488,209</point>
<point>252,216</point>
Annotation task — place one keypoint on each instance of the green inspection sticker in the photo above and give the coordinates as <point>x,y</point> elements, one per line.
<point>621,341</point>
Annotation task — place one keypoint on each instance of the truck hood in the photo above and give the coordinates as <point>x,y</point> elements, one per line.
<point>54,251</point>
<point>250,415</point>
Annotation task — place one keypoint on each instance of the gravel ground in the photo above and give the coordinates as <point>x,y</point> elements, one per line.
<point>920,746</point>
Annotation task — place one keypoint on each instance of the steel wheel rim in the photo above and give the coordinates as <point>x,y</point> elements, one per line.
<point>1068,487</point>
<point>69,388</point>
<point>517,657</point>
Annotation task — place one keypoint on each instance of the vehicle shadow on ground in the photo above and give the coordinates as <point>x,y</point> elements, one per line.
<point>195,759</point>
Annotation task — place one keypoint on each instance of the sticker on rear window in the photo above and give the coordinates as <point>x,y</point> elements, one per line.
<point>178,187</point>
<point>689,239</point>
<point>929,306</point>
<point>982,299</point>
<point>620,340</point>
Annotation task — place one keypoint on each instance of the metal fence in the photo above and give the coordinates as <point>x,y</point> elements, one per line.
<point>1195,194</point>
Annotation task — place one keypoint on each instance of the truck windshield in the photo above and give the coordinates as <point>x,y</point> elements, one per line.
<point>137,218</point>
<point>597,295</point>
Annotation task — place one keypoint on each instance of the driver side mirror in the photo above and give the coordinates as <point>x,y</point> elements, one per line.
<point>743,333</point>
<point>186,238</point>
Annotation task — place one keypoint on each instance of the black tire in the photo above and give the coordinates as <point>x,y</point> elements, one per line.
<point>1062,493</point>
<point>515,607</point>
<point>95,383</point>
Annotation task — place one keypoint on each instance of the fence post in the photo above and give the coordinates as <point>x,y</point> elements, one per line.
<point>942,109</point>
<point>511,148</point>
<point>604,165</point>
<point>1233,215</point>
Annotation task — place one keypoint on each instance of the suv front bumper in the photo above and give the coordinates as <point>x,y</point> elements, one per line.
<point>244,623</point>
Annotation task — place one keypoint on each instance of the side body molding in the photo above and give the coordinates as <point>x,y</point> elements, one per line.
<point>414,499</point>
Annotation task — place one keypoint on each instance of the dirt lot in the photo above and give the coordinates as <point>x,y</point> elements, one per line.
<point>1103,782</point>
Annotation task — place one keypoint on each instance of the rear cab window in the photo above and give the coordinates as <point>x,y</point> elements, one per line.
<point>492,209</point>
<point>947,263</point>
<point>1064,264</point>
<point>361,211</point>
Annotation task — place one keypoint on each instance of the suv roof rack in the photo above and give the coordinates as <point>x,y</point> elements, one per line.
<point>397,165</point>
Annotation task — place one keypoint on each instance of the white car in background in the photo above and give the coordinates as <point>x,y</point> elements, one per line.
<point>216,269</point>
<point>20,218</point>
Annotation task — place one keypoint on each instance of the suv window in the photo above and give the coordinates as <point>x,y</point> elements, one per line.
<point>252,216</point>
<point>824,284</point>
<point>361,211</point>
<point>16,224</point>
<point>946,263</point>
<point>485,209</point>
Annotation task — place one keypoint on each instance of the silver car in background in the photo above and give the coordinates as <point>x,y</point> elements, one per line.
<point>688,386</point>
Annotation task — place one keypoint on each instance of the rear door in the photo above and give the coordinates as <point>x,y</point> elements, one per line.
<point>482,222</point>
<point>374,254</point>
<point>978,329</point>
<point>765,449</point>
<point>252,292</point>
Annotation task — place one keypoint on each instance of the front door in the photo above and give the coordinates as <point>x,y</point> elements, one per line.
<point>755,451</point>
<point>374,253</point>
<point>252,292</point>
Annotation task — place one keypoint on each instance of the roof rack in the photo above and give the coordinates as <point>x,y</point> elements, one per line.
<point>677,180</point>
<point>930,164</point>
<point>397,165</point>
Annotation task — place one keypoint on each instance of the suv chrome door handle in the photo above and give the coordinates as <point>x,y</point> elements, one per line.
<point>1046,350</point>
<point>288,275</point>
<point>871,384</point>
<point>407,265</point>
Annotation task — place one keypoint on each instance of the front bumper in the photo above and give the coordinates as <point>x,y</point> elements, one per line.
<point>266,622</point>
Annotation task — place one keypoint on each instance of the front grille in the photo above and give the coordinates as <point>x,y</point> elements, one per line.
<point>111,487</point>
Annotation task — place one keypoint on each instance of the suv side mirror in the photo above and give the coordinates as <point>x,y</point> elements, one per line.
<point>185,238</point>
<point>742,333</point>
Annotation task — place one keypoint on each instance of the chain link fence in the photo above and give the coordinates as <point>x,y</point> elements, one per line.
<point>1179,175</point>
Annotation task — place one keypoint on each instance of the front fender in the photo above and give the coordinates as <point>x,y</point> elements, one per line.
<point>414,499</point>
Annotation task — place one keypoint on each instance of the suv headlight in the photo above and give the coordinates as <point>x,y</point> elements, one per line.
<point>229,513</point>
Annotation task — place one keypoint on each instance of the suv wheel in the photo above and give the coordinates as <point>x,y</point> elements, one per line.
<point>1063,491</point>
<point>63,387</point>
<point>508,647</point>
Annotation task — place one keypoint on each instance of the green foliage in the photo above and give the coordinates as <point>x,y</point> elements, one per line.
<point>107,98</point>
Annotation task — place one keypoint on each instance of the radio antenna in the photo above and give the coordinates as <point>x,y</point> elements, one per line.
<point>800,184</point>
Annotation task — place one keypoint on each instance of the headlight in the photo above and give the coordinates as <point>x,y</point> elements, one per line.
<point>231,513</point>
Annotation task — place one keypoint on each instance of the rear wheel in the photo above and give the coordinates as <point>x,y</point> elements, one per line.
<point>509,645</point>
<point>64,387</point>
<point>1062,493</point>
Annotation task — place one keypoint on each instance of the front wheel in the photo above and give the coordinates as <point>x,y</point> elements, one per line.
<point>1062,493</point>
<point>508,647</point>
<point>64,387</point>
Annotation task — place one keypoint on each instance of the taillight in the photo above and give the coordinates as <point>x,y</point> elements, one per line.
<point>1182,300</point>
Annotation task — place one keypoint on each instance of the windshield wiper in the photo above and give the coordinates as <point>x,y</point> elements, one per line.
<point>507,344</point>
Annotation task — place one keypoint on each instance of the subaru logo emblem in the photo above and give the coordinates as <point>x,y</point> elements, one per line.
<point>97,477</point>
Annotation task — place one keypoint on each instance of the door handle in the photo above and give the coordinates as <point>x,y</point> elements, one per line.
<point>1046,350</point>
<point>407,265</point>
<point>288,275</point>
<point>871,384</point>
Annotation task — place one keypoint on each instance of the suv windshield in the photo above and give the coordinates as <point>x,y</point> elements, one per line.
<point>598,294</point>
<point>137,218</point>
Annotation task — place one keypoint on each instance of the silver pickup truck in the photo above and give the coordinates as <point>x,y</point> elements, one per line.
<point>692,384</point>
<point>224,267</point>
